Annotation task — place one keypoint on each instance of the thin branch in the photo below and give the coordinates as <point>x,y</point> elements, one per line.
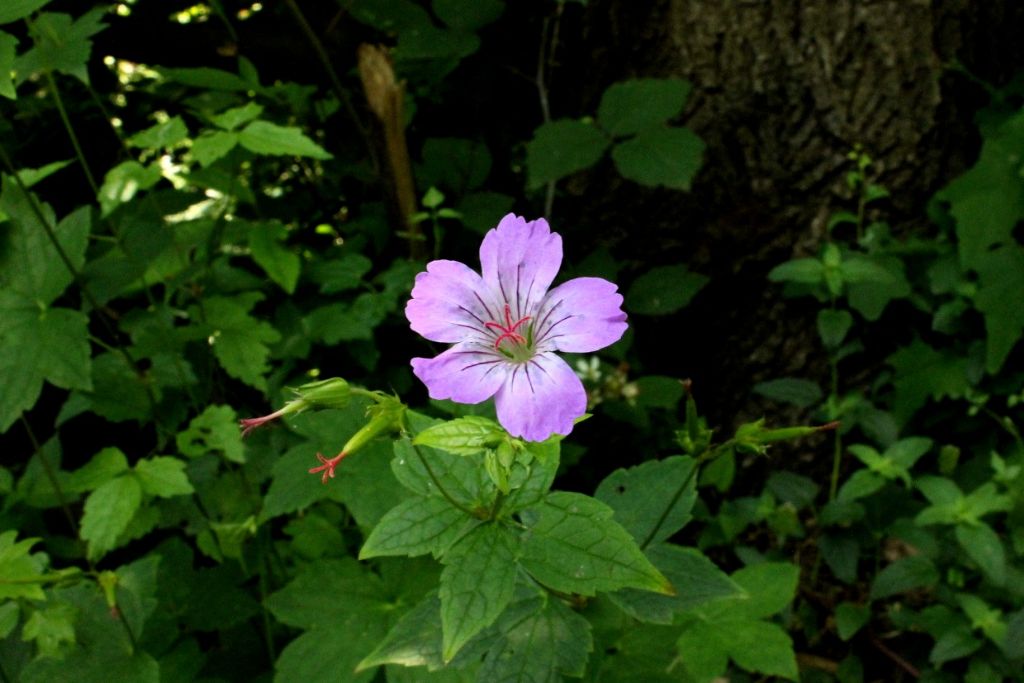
<point>55,92</point>
<point>37,450</point>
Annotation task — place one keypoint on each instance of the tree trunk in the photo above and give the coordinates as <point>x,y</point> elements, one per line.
<point>783,90</point>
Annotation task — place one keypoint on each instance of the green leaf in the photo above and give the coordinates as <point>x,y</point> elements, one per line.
<point>212,431</point>
<point>649,500</point>
<point>12,10</point>
<point>477,584</point>
<point>239,340</point>
<point>833,325</point>
<point>868,290</point>
<point>841,553</point>
<point>212,145</point>
<point>31,176</point>
<point>657,391</point>
<point>665,157</point>
<point>806,271</point>
<point>277,260</point>
<point>762,647</point>
<point>61,44</point>
<point>468,15</point>
<point>118,393</point>
<point>1000,282</point>
<point>574,546</point>
<point>802,393</point>
<point>770,585</point>
<point>163,476</point>
<point>30,265</point>
<point>463,436</point>
<point>51,627</point>
<point>663,290</point>
<point>162,135</point>
<point>635,105</point>
<point>555,640</point>
<point>124,181</point>
<point>850,618</point>
<point>16,565</point>
<point>415,640</point>
<point>329,594</point>
<point>454,164</point>
<point>416,527</point>
<point>230,119</point>
<point>341,274</point>
<point>7,47</point>
<point>206,78</point>
<point>904,575</point>
<point>481,211</point>
<point>104,466</point>
<point>982,545</point>
<point>10,615</point>
<point>921,372</point>
<point>49,345</point>
<point>561,148</point>
<point>988,200</point>
<point>697,580</point>
<point>263,137</point>
<point>107,512</point>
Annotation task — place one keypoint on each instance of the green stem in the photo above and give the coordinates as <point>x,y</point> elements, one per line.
<point>433,477</point>
<point>51,476</point>
<point>52,577</point>
<point>71,133</point>
<point>496,506</point>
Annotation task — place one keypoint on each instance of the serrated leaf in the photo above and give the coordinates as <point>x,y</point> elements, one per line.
<point>635,105</point>
<point>108,511</point>
<point>7,47</point>
<point>1000,283</point>
<point>660,157</point>
<point>574,546</point>
<point>649,500</point>
<point>263,137</point>
<point>697,581</point>
<point>982,545</point>
<point>118,393</point>
<point>921,372</point>
<point>124,181</point>
<point>104,466</point>
<point>230,119</point>
<point>561,148</point>
<point>988,200</point>
<point>770,585</point>
<point>30,264</point>
<point>163,476</point>
<point>477,584</point>
<point>341,274</point>
<point>327,593</point>
<point>277,260</point>
<point>415,640</point>
<point>166,134</point>
<point>663,290</point>
<point>212,145</point>
<point>61,44</point>
<point>555,640</point>
<point>416,527</point>
<point>238,339</point>
<point>463,436</point>
<point>762,647</point>
<point>213,430</point>
<point>16,565</point>
<point>49,345</point>
<point>51,627</point>
<point>12,10</point>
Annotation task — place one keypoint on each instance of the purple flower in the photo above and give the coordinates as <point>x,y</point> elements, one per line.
<point>505,328</point>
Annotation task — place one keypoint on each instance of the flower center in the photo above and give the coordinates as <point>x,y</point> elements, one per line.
<point>519,343</point>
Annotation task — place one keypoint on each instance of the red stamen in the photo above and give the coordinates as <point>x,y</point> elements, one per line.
<point>508,330</point>
<point>328,466</point>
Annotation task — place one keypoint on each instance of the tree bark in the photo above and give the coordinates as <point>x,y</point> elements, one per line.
<point>783,90</point>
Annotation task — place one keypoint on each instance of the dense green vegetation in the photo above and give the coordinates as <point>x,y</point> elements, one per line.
<point>183,248</point>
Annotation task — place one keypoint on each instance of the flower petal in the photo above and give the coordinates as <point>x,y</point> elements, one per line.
<point>580,316</point>
<point>541,397</point>
<point>519,261</point>
<point>465,373</point>
<point>446,305</point>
